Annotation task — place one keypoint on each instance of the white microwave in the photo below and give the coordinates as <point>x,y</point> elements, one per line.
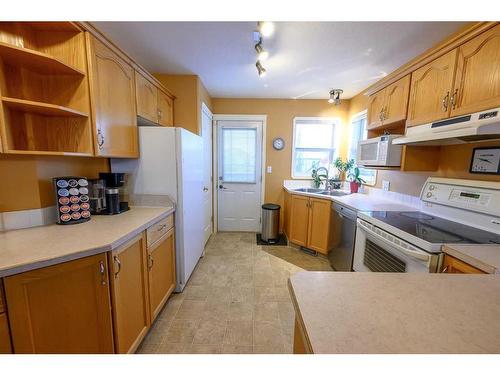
<point>380,152</point>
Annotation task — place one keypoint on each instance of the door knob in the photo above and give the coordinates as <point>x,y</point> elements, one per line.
<point>222,187</point>
<point>205,188</point>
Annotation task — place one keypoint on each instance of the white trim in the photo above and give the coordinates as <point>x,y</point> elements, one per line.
<point>219,117</point>
<point>337,136</point>
<point>207,111</point>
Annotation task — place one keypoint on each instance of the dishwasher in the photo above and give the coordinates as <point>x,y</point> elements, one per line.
<point>343,229</point>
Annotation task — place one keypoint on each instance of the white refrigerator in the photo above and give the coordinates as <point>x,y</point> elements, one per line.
<point>171,163</point>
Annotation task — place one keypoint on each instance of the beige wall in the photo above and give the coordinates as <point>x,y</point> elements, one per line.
<point>280,114</point>
<point>26,181</point>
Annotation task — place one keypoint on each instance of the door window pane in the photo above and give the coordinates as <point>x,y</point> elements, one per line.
<point>239,154</point>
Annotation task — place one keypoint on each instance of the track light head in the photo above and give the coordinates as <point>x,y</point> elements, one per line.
<point>266,28</point>
<point>262,54</point>
<point>260,69</point>
<point>335,96</point>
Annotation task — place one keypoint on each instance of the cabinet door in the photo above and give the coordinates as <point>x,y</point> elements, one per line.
<point>299,219</point>
<point>113,102</point>
<point>319,225</point>
<point>287,214</point>
<point>147,98</point>
<point>430,90</point>
<point>165,109</point>
<point>61,309</point>
<point>375,108</point>
<point>5,347</point>
<point>477,82</point>
<point>129,292</point>
<point>161,265</point>
<point>454,265</point>
<point>396,101</point>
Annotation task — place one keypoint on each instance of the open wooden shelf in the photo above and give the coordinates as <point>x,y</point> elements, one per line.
<point>48,153</point>
<point>36,61</point>
<point>40,108</point>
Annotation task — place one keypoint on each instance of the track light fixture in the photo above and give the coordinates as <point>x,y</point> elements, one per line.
<point>262,54</point>
<point>266,28</point>
<point>335,96</point>
<point>260,69</point>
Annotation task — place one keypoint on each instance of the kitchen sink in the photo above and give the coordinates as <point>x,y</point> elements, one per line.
<point>309,190</point>
<point>334,193</point>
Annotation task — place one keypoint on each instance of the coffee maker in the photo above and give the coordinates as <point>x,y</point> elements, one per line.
<point>105,194</point>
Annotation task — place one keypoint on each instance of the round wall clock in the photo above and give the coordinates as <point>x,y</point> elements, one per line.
<point>278,143</point>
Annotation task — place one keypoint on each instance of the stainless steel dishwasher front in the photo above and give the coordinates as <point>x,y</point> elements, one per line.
<point>343,228</point>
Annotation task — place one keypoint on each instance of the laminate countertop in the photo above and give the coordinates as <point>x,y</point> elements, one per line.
<point>26,249</point>
<point>365,312</point>
<point>484,257</point>
<point>358,201</point>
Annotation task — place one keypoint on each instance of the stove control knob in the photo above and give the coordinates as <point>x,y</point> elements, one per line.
<point>429,194</point>
<point>431,187</point>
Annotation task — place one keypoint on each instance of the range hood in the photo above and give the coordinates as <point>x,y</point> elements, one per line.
<point>479,126</point>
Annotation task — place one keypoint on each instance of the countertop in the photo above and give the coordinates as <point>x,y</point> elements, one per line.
<point>26,249</point>
<point>368,312</point>
<point>484,257</point>
<point>358,201</point>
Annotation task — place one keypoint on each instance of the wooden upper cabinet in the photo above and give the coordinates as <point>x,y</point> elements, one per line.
<point>113,98</point>
<point>396,101</point>
<point>431,90</point>
<point>147,98</point>
<point>165,109</point>
<point>375,109</point>
<point>477,82</point>
<point>319,225</point>
<point>129,292</point>
<point>61,309</point>
<point>162,277</point>
<point>299,219</point>
<point>454,265</point>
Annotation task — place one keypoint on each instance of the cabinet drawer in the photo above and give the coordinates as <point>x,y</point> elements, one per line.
<point>157,230</point>
<point>2,298</point>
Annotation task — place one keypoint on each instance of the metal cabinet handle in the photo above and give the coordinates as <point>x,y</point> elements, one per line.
<point>151,261</point>
<point>102,271</point>
<point>381,115</point>
<point>100,139</point>
<point>160,114</point>
<point>384,113</point>
<point>161,227</point>
<point>117,261</point>
<point>444,270</point>
<point>453,100</point>
<point>444,102</point>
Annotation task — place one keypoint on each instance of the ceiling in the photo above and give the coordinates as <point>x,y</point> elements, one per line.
<point>306,60</point>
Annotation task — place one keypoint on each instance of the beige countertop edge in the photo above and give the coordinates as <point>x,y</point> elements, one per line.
<point>46,262</point>
<point>380,202</point>
<point>298,317</point>
<point>455,251</point>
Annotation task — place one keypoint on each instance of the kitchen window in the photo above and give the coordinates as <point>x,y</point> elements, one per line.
<point>315,144</point>
<point>359,133</point>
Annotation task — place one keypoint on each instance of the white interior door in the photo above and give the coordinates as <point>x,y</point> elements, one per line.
<point>239,174</point>
<point>206,133</point>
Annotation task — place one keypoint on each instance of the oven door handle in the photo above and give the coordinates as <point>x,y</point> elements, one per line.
<point>411,253</point>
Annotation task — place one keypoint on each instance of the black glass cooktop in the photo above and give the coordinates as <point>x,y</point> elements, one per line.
<point>434,229</point>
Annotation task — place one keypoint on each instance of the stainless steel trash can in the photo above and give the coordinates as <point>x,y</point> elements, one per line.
<point>270,222</point>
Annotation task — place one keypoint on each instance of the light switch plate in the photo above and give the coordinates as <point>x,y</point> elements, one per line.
<point>269,169</point>
<point>386,185</point>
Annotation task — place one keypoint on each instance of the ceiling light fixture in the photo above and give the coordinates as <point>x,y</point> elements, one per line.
<point>266,28</point>
<point>260,69</point>
<point>262,54</point>
<point>335,96</point>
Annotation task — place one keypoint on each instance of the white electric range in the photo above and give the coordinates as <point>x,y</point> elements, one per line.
<point>454,212</point>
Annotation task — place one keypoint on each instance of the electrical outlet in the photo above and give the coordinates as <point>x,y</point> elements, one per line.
<point>386,185</point>
<point>269,169</point>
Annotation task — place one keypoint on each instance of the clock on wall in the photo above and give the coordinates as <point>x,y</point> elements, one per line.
<point>278,143</point>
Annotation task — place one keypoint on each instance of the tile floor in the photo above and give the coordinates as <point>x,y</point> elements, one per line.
<point>236,301</point>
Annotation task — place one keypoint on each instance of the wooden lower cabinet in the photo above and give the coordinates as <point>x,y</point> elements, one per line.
<point>61,309</point>
<point>454,265</point>
<point>299,342</point>
<point>161,266</point>
<point>129,294</point>
<point>310,222</point>
<point>5,346</point>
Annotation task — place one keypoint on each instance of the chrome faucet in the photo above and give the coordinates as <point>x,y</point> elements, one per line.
<point>327,180</point>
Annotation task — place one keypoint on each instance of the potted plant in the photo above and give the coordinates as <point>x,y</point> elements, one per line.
<point>355,180</point>
<point>316,176</point>
<point>343,167</point>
